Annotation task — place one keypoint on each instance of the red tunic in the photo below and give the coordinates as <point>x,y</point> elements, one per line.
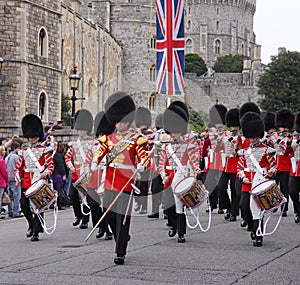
<point>26,166</point>
<point>123,166</point>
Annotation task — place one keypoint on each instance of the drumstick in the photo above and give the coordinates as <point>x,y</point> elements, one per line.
<point>119,194</point>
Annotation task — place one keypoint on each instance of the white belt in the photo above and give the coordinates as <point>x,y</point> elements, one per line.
<point>122,166</point>
<point>250,170</point>
<point>30,169</point>
<point>171,167</point>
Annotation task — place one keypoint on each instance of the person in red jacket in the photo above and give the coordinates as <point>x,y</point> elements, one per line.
<point>34,163</point>
<point>125,152</point>
<point>255,163</point>
<point>78,160</point>
<point>3,175</point>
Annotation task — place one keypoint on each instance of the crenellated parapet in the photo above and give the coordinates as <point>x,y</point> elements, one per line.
<point>247,5</point>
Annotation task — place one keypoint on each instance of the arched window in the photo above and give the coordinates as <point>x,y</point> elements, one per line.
<point>90,86</point>
<point>218,10</point>
<point>152,102</point>
<point>153,73</point>
<point>189,25</point>
<point>217,47</point>
<point>188,46</point>
<point>43,43</point>
<point>243,49</point>
<point>153,42</point>
<point>217,25</point>
<point>43,106</point>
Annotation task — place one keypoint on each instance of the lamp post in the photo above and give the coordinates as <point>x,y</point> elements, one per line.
<point>1,62</point>
<point>74,83</point>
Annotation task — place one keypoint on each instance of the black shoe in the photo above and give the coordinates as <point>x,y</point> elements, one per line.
<point>119,259</point>
<point>226,215</point>
<point>29,233</point>
<point>181,239</point>
<point>143,212</point>
<point>76,222</point>
<point>284,214</point>
<point>220,211</point>
<point>137,207</point>
<point>243,223</point>
<point>232,218</point>
<point>153,216</point>
<point>83,225</point>
<point>35,237</point>
<point>165,216</point>
<point>211,209</point>
<point>297,219</point>
<point>252,235</point>
<point>258,241</point>
<point>172,232</point>
<point>108,236</point>
<point>100,233</point>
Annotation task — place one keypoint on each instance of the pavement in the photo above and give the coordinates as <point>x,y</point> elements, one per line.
<point>223,255</point>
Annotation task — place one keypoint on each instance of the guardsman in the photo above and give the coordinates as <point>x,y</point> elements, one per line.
<point>125,153</point>
<point>78,159</point>
<point>34,163</point>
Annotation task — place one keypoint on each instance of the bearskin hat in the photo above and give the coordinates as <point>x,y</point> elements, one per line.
<point>249,107</point>
<point>252,125</point>
<point>102,126</point>
<point>142,117</point>
<point>84,120</point>
<point>217,114</point>
<point>269,121</point>
<point>284,118</point>
<point>119,107</point>
<point>181,105</point>
<point>232,118</point>
<point>297,123</point>
<point>32,127</point>
<point>159,122</point>
<point>175,120</point>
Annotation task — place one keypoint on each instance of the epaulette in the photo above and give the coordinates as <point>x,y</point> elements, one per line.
<point>70,144</point>
<point>141,140</point>
<point>102,139</point>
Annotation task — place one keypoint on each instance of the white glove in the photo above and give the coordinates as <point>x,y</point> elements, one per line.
<point>94,166</point>
<point>140,167</point>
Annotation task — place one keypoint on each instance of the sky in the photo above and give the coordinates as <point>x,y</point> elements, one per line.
<point>277,24</point>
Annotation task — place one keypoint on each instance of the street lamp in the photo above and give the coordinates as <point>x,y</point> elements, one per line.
<point>1,62</point>
<point>74,83</point>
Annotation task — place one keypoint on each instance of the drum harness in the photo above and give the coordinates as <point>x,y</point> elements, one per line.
<point>262,232</point>
<point>36,177</point>
<point>183,173</point>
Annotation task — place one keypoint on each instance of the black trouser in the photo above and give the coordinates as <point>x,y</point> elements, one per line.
<point>169,206</point>
<point>282,179</point>
<point>156,189</point>
<point>224,201</point>
<point>238,190</point>
<point>75,200</point>
<point>32,219</point>
<point>294,187</point>
<point>211,184</point>
<point>144,187</point>
<point>116,216</point>
<point>245,206</point>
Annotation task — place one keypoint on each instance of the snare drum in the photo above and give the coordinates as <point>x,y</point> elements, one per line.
<point>267,195</point>
<point>81,184</point>
<point>40,195</point>
<point>190,192</point>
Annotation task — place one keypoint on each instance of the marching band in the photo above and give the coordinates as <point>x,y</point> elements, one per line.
<point>242,163</point>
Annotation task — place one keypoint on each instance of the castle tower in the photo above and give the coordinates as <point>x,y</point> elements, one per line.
<point>219,27</point>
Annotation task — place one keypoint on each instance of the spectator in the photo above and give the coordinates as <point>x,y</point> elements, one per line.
<point>47,132</point>
<point>3,175</point>
<point>14,191</point>
<point>58,125</point>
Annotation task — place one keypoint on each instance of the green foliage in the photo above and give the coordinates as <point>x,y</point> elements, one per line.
<point>230,63</point>
<point>193,63</point>
<point>198,121</point>
<point>280,83</point>
<point>65,110</point>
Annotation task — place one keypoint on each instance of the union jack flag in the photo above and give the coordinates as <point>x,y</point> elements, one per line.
<point>170,47</point>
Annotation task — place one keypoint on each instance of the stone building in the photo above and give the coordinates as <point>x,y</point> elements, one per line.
<point>112,44</point>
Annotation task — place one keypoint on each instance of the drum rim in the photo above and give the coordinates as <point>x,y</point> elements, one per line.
<point>265,190</point>
<point>178,193</point>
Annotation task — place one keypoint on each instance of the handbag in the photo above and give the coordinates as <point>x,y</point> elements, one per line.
<point>5,199</point>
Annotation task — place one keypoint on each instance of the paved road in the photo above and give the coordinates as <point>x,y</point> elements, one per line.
<point>223,255</point>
